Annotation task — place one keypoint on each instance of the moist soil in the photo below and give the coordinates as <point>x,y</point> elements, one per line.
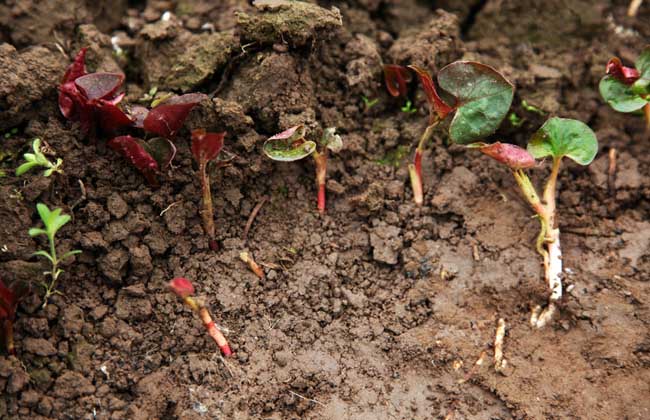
<point>378,309</point>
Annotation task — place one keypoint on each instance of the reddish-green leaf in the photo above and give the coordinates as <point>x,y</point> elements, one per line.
<point>168,117</point>
<point>206,146</point>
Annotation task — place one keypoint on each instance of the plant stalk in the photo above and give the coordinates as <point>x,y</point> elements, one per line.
<point>646,114</point>
<point>209,324</point>
<point>415,169</point>
<point>54,274</point>
<point>9,336</point>
<point>207,213</point>
<point>320,158</point>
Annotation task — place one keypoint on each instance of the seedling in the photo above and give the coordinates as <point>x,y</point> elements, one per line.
<point>10,296</point>
<point>92,99</point>
<point>166,118</point>
<point>369,103</point>
<point>149,157</point>
<point>206,148</point>
<point>557,138</point>
<point>291,145</point>
<point>184,289</point>
<point>53,221</point>
<point>254,267</point>
<point>38,159</point>
<point>627,89</point>
<point>481,99</point>
<point>408,107</point>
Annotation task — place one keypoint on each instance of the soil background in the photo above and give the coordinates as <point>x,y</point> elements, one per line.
<point>376,310</point>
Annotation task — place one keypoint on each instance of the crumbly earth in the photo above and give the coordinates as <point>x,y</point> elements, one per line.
<point>376,310</point>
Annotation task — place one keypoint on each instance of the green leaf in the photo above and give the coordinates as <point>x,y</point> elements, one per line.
<point>22,169</point>
<point>483,99</point>
<point>58,222</point>
<point>44,254</point>
<point>36,231</point>
<point>619,95</point>
<point>44,213</point>
<point>643,63</point>
<point>289,145</point>
<point>560,137</point>
<point>70,254</point>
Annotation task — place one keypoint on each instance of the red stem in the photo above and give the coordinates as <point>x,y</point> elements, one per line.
<point>417,161</point>
<point>209,324</point>
<point>321,178</point>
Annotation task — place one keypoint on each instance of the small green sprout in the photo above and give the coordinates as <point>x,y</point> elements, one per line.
<point>532,108</point>
<point>38,159</point>
<point>369,103</point>
<point>408,107</point>
<point>53,221</point>
<point>515,120</point>
<point>10,133</point>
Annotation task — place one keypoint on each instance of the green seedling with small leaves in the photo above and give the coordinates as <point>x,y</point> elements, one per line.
<point>627,89</point>
<point>37,159</point>
<point>369,103</point>
<point>557,138</point>
<point>408,108</point>
<point>53,221</point>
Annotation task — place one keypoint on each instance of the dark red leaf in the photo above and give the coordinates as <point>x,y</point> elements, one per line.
<point>182,287</point>
<point>168,117</point>
<point>437,107</point>
<point>100,85</point>
<point>134,152</point>
<point>627,75</point>
<point>77,68</point>
<point>206,146</point>
<point>110,116</point>
<point>70,99</point>
<point>513,156</point>
<point>396,78</point>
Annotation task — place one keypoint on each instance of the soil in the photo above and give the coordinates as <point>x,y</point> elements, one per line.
<point>377,309</point>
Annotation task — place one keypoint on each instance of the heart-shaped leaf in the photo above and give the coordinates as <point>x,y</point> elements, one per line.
<point>289,145</point>
<point>620,96</point>
<point>206,146</point>
<point>509,154</point>
<point>484,97</point>
<point>168,117</point>
<point>560,137</point>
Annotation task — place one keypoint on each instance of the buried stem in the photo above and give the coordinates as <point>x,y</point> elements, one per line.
<point>415,168</point>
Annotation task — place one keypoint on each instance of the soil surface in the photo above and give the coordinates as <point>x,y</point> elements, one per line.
<point>377,309</point>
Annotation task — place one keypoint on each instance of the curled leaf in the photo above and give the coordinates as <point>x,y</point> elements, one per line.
<point>161,149</point>
<point>77,68</point>
<point>616,69</point>
<point>181,287</point>
<point>437,107</point>
<point>484,97</point>
<point>168,117</point>
<point>206,146</point>
<point>560,137</point>
<point>396,77</point>
<point>331,140</point>
<point>133,150</point>
<point>289,145</point>
<point>509,154</point>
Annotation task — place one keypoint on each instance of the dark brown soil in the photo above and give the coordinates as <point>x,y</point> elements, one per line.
<point>376,310</point>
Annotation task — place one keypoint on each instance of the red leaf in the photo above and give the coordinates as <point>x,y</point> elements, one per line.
<point>77,68</point>
<point>182,287</point>
<point>436,104</point>
<point>627,75</point>
<point>134,152</point>
<point>396,77</point>
<point>110,116</point>
<point>99,85</point>
<point>513,156</point>
<point>70,99</point>
<point>168,117</point>
<point>206,146</point>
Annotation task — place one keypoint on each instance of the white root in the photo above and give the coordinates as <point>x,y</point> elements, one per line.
<point>499,362</point>
<point>553,273</point>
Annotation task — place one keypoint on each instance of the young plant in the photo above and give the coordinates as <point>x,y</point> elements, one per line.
<point>627,89</point>
<point>557,138</point>
<point>184,289</point>
<point>206,148</point>
<point>481,100</point>
<point>9,297</point>
<point>152,156</point>
<point>291,145</point>
<point>92,99</point>
<point>53,221</point>
<point>38,159</point>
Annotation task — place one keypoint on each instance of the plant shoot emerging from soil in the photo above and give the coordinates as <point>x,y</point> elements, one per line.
<point>38,159</point>
<point>291,145</point>
<point>184,289</point>
<point>9,297</point>
<point>53,221</point>
<point>149,157</point>
<point>481,100</point>
<point>206,148</point>
<point>627,89</point>
<point>557,138</point>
